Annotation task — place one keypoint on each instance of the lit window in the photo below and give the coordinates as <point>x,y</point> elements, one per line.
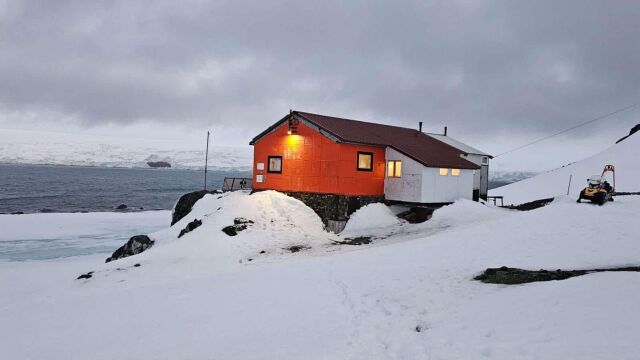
<point>275,164</point>
<point>485,160</point>
<point>365,161</point>
<point>455,172</point>
<point>444,172</point>
<point>394,168</point>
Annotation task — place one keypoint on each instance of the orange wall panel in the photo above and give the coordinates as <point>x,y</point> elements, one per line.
<point>312,162</point>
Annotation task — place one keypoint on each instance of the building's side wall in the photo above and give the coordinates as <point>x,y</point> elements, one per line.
<point>311,162</point>
<point>408,187</point>
<point>443,189</point>
<point>481,177</point>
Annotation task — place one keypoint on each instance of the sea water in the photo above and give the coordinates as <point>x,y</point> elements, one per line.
<point>71,211</point>
<point>42,188</point>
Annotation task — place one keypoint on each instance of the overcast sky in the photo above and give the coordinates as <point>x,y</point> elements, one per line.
<point>498,73</point>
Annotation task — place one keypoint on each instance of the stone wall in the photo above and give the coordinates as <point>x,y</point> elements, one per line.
<point>334,207</point>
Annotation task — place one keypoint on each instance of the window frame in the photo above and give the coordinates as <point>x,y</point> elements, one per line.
<point>269,164</point>
<point>446,172</point>
<point>485,160</point>
<point>455,172</point>
<point>395,169</point>
<point>358,161</point>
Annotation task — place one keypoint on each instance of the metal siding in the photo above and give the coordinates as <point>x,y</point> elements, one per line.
<point>407,187</point>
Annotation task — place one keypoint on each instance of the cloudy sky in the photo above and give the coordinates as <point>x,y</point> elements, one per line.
<point>498,73</point>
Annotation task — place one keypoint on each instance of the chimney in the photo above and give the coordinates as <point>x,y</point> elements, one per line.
<point>420,126</point>
<point>445,131</point>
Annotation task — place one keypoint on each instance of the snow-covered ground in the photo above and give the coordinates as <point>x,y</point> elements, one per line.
<point>408,295</point>
<point>63,149</point>
<point>625,156</point>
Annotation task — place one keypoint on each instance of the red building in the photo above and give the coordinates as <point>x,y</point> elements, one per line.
<point>337,165</point>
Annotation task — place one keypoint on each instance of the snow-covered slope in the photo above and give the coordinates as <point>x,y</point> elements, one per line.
<point>62,149</point>
<point>409,295</point>
<point>624,155</point>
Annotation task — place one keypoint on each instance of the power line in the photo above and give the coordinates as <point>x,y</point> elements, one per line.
<point>571,128</point>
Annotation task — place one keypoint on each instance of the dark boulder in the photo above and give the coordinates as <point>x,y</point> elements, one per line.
<point>121,207</point>
<point>190,227</point>
<point>239,224</point>
<point>185,204</point>
<point>135,245</point>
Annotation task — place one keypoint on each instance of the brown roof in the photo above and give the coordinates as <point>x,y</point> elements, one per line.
<point>417,145</point>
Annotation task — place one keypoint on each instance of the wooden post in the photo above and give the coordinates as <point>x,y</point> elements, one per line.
<point>569,187</point>
<point>206,161</point>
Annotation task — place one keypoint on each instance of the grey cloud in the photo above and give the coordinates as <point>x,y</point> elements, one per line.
<point>481,67</point>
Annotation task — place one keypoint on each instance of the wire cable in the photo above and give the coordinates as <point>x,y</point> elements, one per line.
<point>602,117</point>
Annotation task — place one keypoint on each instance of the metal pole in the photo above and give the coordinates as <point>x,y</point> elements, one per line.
<point>569,187</point>
<point>206,161</point>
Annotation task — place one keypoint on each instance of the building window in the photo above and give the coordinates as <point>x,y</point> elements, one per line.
<point>444,172</point>
<point>455,172</point>
<point>485,160</point>
<point>394,168</point>
<point>365,161</point>
<point>275,164</point>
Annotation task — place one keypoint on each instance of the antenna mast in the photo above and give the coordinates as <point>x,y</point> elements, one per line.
<point>206,161</point>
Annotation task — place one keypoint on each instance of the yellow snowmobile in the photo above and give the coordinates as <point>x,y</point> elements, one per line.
<point>598,189</point>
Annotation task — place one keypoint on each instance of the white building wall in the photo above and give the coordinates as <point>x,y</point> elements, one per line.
<point>421,184</point>
<point>481,177</point>
<point>408,187</point>
<point>443,189</point>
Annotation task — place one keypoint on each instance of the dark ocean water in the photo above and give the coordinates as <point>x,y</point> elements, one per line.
<point>43,188</point>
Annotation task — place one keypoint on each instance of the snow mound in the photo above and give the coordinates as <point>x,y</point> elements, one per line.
<point>463,212</point>
<point>624,156</point>
<point>274,223</point>
<point>369,217</point>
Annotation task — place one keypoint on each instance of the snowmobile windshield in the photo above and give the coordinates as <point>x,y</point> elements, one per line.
<point>595,181</point>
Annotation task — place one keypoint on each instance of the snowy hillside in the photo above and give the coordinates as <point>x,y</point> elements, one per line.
<point>61,149</point>
<point>408,295</point>
<point>624,155</point>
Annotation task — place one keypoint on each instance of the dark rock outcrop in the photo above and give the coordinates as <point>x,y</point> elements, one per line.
<point>88,275</point>
<point>121,207</point>
<point>297,248</point>
<point>514,276</point>
<point>417,214</point>
<point>190,227</point>
<point>185,204</point>
<point>531,205</point>
<point>633,130</point>
<point>135,245</point>
<point>359,240</point>
<point>239,224</point>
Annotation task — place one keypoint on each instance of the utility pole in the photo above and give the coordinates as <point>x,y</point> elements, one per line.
<point>206,161</point>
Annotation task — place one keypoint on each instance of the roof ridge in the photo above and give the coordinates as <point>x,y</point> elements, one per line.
<point>358,121</point>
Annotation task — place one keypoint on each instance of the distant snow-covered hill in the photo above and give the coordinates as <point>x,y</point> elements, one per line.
<point>502,178</point>
<point>625,156</point>
<point>58,149</point>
